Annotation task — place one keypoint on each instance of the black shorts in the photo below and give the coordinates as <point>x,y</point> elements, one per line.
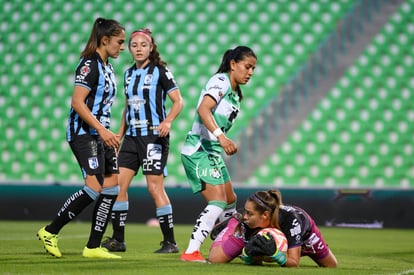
<point>148,152</point>
<point>93,156</point>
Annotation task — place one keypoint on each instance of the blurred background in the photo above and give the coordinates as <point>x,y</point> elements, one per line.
<point>327,118</point>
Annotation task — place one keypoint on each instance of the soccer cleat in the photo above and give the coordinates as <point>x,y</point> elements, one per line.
<point>221,225</point>
<point>50,242</point>
<point>114,245</point>
<point>167,247</point>
<point>193,257</point>
<point>99,252</point>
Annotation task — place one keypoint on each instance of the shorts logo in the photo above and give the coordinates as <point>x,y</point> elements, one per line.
<point>93,162</point>
<point>154,151</point>
<point>215,173</point>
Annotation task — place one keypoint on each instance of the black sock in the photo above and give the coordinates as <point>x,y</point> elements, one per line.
<point>70,209</point>
<point>167,227</point>
<point>118,224</point>
<point>100,219</point>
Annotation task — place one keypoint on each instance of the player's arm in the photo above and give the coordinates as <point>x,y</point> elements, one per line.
<point>177,106</point>
<point>293,256</point>
<point>78,104</point>
<point>123,126</point>
<point>205,112</point>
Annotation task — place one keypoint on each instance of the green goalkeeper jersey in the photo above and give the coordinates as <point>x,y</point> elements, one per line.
<point>226,110</point>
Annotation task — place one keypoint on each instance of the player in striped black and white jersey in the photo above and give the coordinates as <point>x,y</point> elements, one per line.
<point>91,140</point>
<point>146,129</point>
<point>217,108</point>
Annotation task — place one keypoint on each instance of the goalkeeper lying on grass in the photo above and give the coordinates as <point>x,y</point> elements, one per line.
<point>264,209</point>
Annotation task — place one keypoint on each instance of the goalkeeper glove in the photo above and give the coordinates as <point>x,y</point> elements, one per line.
<point>261,245</point>
<point>279,257</point>
<point>246,258</point>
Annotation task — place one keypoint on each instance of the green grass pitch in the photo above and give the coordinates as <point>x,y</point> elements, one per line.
<point>359,251</point>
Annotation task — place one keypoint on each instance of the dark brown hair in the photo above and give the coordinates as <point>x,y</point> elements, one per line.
<point>154,55</point>
<point>102,27</point>
<point>268,201</point>
<point>237,54</point>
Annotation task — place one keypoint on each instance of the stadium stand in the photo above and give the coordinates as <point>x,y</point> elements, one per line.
<point>359,135</point>
<point>41,48</point>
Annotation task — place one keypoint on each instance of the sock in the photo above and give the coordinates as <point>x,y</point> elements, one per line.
<point>228,211</point>
<point>232,246</point>
<point>119,217</point>
<point>101,215</point>
<point>204,224</point>
<point>71,208</point>
<point>165,218</point>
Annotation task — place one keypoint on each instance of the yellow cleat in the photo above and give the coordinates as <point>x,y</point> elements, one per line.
<point>99,252</point>
<point>50,242</point>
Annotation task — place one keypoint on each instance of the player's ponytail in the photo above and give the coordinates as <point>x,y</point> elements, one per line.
<point>237,54</point>
<point>101,27</point>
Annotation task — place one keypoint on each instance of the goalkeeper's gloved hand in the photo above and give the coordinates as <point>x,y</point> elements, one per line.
<point>279,257</point>
<point>261,245</point>
<point>246,259</point>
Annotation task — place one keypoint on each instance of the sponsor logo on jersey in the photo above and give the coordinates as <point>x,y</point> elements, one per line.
<point>136,102</point>
<point>85,69</point>
<point>295,229</point>
<point>136,123</point>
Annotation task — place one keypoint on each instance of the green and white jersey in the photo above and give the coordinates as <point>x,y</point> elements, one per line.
<point>225,112</point>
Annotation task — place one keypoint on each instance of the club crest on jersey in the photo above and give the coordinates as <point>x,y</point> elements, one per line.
<point>154,151</point>
<point>148,79</point>
<point>93,162</point>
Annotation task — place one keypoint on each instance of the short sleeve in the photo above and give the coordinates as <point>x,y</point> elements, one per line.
<point>217,86</point>
<point>167,80</point>
<point>87,73</point>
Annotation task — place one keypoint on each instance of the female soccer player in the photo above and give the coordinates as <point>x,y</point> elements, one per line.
<point>92,142</point>
<point>217,108</point>
<point>265,209</point>
<point>146,127</point>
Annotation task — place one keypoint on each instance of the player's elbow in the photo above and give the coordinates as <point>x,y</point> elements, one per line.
<point>331,264</point>
<point>292,263</point>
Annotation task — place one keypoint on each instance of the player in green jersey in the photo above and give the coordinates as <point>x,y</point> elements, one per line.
<point>217,108</point>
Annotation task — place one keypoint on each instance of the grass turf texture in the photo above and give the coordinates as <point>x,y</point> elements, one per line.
<point>359,251</point>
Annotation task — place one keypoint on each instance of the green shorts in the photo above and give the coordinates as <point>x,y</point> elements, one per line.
<point>203,168</point>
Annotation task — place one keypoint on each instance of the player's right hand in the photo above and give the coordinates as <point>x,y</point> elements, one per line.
<point>279,257</point>
<point>109,138</point>
<point>227,144</point>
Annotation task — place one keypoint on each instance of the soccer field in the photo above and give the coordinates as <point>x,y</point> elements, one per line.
<point>359,251</point>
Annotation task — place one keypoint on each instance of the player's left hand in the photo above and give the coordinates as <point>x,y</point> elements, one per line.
<point>164,128</point>
<point>279,257</point>
<point>261,245</point>
<point>249,260</point>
